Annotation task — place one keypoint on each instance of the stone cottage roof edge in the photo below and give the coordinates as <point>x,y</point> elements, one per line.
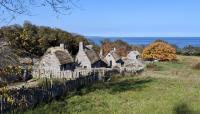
<point>63,57</point>
<point>92,56</point>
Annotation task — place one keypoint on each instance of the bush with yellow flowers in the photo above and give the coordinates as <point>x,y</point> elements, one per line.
<point>11,70</point>
<point>5,93</point>
<point>161,51</point>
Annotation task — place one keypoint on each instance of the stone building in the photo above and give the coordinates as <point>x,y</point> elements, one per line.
<point>56,59</point>
<point>133,55</point>
<point>113,59</point>
<point>87,57</point>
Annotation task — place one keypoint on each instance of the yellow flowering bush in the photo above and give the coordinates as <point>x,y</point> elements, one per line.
<point>6,94</point>
<point>159,50</point>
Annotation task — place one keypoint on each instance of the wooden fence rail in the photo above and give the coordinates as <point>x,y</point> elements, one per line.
<point>41,73</point>
<point>25,98</point>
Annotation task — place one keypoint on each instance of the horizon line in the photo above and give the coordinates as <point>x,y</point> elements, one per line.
<point>101,36</point>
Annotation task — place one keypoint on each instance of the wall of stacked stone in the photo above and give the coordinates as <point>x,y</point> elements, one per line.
<point>26,98</point>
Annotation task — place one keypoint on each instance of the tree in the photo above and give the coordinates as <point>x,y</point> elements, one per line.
<point>159,50</point>
<point>122,48</point>
<point>32,40</point>
<point>106,46</point>
<point>11,8</point>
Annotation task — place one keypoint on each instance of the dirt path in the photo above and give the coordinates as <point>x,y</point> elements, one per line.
<point>31,83</point>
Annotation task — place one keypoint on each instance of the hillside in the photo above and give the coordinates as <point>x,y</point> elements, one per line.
<point>32,40</point>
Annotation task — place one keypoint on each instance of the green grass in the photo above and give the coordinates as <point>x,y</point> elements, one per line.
<point>174,89</point>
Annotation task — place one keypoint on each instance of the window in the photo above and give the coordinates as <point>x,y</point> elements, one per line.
<point>137,57</point>
<point>63,67</point>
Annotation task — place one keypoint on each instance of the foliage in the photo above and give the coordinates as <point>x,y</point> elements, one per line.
<point>17,70</point>
<point>159,50</point>
<point>122,47</point>
<point>31,40</point>
<point>190,50</point>
<point>11,74</point>
<point>95,46</point>
<point>5,93</point>
<point>139,48</point>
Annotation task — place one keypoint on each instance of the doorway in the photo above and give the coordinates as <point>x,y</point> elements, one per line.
<point>110,64</point>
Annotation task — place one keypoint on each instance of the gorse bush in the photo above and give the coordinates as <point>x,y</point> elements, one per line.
<point>159,50</point>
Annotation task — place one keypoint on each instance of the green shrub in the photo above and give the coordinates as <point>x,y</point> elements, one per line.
<point>190,50</point>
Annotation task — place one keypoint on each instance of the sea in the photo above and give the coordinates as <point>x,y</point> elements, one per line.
<point>178,41</point>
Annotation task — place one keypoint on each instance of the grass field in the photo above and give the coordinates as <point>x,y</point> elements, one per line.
<point>169,88</point>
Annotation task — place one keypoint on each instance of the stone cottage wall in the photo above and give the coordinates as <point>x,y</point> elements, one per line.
<point>109,58</point>
<point>83,59</point>
<point>49,62</point>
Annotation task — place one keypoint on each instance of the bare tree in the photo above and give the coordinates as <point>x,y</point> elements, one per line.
<point>9,9</point>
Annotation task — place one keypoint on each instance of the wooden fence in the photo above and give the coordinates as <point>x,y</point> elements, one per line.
<point>24,98</point>
<point>41,73</point>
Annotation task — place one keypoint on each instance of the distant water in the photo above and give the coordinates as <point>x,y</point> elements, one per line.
<point>179,41</point>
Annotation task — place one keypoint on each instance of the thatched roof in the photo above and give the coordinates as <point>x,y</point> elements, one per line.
<point>115,55</point>
<point>104,60</point>
<point>93,57</point>
<point>63,56</point>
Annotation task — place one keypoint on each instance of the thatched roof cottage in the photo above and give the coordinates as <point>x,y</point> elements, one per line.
<point>133,55</point>
<point>113,59</point>
<point>87,57</point>
<point>56,59</point>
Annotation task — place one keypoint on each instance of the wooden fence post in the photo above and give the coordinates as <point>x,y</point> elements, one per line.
<point>1,104</point>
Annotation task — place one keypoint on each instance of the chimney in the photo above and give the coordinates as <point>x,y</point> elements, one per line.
<point>101,53</point>
<point>80,46</point>
<point>62,46</point>
<point>114,49</point>
<point>89,46</point>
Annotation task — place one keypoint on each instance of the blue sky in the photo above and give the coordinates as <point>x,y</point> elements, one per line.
<point>134,18</point>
